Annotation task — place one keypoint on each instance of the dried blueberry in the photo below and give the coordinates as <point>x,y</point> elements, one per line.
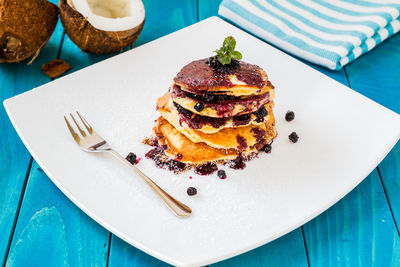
<point>199,106</point>
<point>293,137</point>
<point>262,112</point>
<point>131,158</point>
<point>217,65</point>
<point>221,174</point>
<point>191,191</point>
<point>267,148</point>
<point>289,116</point>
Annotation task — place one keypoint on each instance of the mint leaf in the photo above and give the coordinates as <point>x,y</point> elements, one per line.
<point>225,59</point>
<point>229,44</point>
<point>236,55</point>
<point>227,52</point>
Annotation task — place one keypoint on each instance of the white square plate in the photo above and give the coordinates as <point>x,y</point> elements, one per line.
<point>343,137</point>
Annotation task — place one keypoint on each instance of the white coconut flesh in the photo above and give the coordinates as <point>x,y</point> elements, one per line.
<point>111,15</point>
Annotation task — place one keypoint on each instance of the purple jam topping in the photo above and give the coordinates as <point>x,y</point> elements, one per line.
<point>238,163</point>
<point>241,120</point>
<point>206,169</point>
<point>196,121</point>
<point>199,77</point>
<point>241,142</point>
<point>258,134</point>
<point>156,154</point>
<point>225,107</point>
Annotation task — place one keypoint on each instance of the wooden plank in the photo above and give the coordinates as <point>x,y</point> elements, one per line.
<point>45,209</point>
<point>164,17</point>
<point>390,173</point>
<point>52,231</point>
<point>123,254</point>
<point>15,79</point>
<point>357,231</point>
<point>208,8</point>
<point>76,58</point>
<point>285,251</point>
<point>376,74</point>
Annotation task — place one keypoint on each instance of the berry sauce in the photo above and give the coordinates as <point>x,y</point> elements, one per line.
<point>158,156</point>
<point>195,121</point>
<point>216,99</point>
<point>241,142</point>
<point>237,164</point>
<point>241,120</point>
<point>200,75</point>
<point>206,169</point>
<point>258,134</point>
<point>224,107</point>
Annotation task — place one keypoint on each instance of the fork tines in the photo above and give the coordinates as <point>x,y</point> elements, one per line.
<point>72,131</point>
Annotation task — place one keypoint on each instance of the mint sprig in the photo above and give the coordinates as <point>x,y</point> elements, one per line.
<point>227,52</point>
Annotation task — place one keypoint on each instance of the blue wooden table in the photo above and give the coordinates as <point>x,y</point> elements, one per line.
<point>39,226</point>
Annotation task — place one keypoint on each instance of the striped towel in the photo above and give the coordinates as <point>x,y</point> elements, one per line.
<point>330,33</point>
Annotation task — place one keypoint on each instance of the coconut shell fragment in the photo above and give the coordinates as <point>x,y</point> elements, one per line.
<point>25,27</point>
<point>55,68</point>
<point>90,39</point>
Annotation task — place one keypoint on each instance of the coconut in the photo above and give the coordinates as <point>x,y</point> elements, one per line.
<point>102,26</point>
<point>25,27</point>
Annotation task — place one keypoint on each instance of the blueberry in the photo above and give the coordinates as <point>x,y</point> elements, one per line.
<point>262,112</point>
<point>216,65</point>
<point>131,158</point>
<point>221,174</point>
<point>289,116</point>
<point>267,148</point>
<point>199,106</point>
<point>293,137</point>
<point>191,191</point>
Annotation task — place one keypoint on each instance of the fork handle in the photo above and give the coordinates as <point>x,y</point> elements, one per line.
<point>174,205</point>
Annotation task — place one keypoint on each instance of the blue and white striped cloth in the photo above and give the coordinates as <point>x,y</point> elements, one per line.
<point>330,33</point>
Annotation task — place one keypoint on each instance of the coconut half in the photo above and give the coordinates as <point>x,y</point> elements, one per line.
<point>25,27</point>
<point>102,26</point>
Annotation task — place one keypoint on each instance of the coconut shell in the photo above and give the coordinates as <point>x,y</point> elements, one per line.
<point>25,27</point>
<point>90,39</point>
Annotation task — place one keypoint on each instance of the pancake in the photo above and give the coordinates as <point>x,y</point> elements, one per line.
<point>213,113</point>
<point>241,138</point>
<point>222,108</point>
<point>199,77</point>
<point>178,146</point>
<point>209,125</point>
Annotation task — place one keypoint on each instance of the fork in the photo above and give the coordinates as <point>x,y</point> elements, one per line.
<point>91,141</point>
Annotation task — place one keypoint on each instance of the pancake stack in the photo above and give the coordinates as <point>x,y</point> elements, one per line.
<point>214,113</point>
